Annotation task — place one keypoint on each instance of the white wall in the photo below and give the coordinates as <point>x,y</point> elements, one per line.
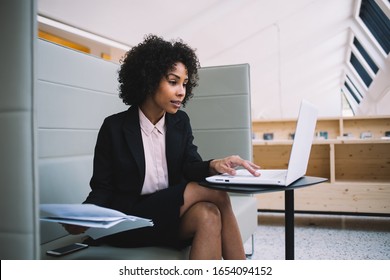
<point>378,102</point>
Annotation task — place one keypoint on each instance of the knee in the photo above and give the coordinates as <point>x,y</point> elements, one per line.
<point>208,216</point>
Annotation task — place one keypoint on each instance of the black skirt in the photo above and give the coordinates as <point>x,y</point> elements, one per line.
<point>163,208</point>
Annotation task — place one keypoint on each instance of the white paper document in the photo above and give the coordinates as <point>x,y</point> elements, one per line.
<point>100,221</point>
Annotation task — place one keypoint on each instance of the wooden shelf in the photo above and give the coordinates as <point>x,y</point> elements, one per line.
<point>351,197</point>
<point>321,141</point>
<point>358,169</point>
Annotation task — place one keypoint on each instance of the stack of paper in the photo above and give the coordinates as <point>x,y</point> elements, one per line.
<point>100,221</point>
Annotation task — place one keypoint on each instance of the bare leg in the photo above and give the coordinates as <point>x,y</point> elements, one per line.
<point>231,242</point>
<point>203,222</point>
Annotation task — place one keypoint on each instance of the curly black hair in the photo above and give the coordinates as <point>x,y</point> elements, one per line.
<point>146,64</point>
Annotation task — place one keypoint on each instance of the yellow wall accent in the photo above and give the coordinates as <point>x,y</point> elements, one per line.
<point>106,56</point>
<point>62,41</point>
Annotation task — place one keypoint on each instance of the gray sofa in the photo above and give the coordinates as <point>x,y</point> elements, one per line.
<point>76,91</point>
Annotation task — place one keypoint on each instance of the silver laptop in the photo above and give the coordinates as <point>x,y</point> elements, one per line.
<point>298,161</point>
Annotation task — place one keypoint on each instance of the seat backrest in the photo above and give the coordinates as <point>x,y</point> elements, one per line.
<point>220,112</point>
<point>75,92</point>
<point>18,183</point>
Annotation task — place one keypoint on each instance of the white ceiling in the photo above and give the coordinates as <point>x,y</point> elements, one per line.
<point>296,48</point>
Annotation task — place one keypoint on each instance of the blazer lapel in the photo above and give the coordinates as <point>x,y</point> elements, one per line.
<point>174,140</point>
<point>132,133</point>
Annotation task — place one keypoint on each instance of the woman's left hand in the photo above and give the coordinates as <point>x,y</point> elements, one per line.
<point>228,165</point>
<point>74,229</point>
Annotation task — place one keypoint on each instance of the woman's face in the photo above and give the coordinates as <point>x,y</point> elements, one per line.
<point>169,94</point>
<point>172,89</point>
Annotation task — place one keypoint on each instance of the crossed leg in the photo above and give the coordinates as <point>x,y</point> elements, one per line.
<point>208,217</point>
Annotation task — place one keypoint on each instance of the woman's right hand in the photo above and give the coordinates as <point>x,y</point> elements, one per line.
<point>74,229</point>
<point>228,165</point>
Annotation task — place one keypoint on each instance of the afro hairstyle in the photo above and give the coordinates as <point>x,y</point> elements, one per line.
<point>144,65</point>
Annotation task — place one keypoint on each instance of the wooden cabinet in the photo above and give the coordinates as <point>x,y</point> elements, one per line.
<point>358,169</point>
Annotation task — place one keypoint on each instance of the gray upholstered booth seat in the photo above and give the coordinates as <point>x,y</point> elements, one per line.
<point>75,92</point>
<point>105,252</point>
<point>245,209</point>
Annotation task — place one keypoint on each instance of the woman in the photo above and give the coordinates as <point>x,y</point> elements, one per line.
<point>146,164</point>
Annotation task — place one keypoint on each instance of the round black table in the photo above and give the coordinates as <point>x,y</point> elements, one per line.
<point>288,202</point>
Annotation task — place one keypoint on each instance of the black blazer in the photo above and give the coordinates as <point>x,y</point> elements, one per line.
<point>119,161</point>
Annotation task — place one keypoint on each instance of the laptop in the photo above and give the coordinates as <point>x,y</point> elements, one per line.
<point>299,157</point>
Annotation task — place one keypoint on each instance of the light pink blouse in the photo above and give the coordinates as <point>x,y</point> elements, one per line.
<point>156,170</point>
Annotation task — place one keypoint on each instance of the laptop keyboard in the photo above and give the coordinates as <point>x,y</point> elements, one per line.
<point>265,173</point>
<point>273,174</point>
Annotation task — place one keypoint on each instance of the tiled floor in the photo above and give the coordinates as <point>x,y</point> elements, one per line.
<point>324,237</point>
